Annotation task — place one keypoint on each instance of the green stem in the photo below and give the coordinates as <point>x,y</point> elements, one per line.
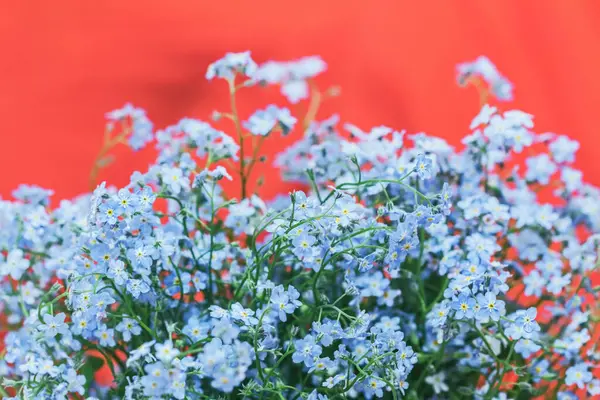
<point>238,128</point>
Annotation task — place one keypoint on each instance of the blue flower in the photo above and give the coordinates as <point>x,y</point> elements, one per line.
<point>578,375</point>
<point>174,179</point>
<point>439,314</point>
<point>74,381</point>
<point>84,323</point>
<point>563,149</point>
<point>534,284</point>
<point>53,325</point>
<point>291,75</point>
<point>314,395</point>
<point>245,315</point>
<point>225,330</point>
<point>558,283</point>
<point>306,351</point>
<point>117,272</point>
<point>463,306</point>
<point>328,331</point>
<point>231,64</point>
<point>424,166</point>
<point>145,198</point>
<point>175,284</point>
<point>224,380</point>
<point>500,87</point>
<point>332,381</point>
<point>285,302</point>
<point>321,364</point>
<point>262,122</point>
<point>347,211</point>
<point>490,307</point>
<point>318,292</point>
<point>540,369</point>
<point>540,168</point>
<point>374,386</point>
<point>305,206</point>
<point>526,347</point>
<point>526,319</point>
<point>105,336</point>
<point>196,330</point>
<point>165,352</point>
<point>155,380</point>
<point>140,255</point>
<point>108,212</point>
<point>128,327</point>
<point>406,355</point>
<point>481,247</point>
<point>136,287</point>
<point>303,245</point>
<point>103,254</point>
<point>15,265</point>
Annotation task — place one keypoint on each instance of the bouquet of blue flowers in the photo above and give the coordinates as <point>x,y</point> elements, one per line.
<point>406,269</point>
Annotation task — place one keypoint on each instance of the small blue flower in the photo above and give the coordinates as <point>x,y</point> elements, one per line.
<point>303,245</point>
<point>262,122</point>
<point>314,395</point>
<point>74,381</point>
<point>117,272</point>
<point>245,315</point>
<point>196,330</point>
<point>563,149</point>
<point>108,212</point>
<point>126,200</point>
<point>136,287</point>
<point>15,265</point>
<point>84,323</point>
<point>527,320</point>
<point>306,351</point>
<point>539,369</point>
<point>490,307</point>
<point>285,302</point>
<point>140,255</point>
<point>103,254</point>
<point>105,336</point>
<point>526,347</point>
<point>231,64</point>
<point>464,306</point>
<point>328,331</point>
<point>424,166</point>
<point>53,325</point>
<point>578,375</point>
<point>540,168</point>
<point>128,327</point>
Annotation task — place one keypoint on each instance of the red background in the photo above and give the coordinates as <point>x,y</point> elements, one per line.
<point>64,64</point>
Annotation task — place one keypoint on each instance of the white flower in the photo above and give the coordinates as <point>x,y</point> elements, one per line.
<point>231,64</point>
<point>291,75</point>
<point>262,122</point>
<point>437,382</point>
<point>295,91</point>
<point>563,149</point>
<point>173,177</point>
<point>483,118</point>
<point>499,85</point>
<point>15,265</point>
<point>143,351</point>
<point>165,351</point>
<point>593,387</point>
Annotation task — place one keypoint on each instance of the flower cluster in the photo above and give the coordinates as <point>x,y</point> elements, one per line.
<point>482,67</point>
<point>405,268</point>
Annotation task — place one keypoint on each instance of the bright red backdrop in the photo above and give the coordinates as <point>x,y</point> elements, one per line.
<point>64,64</point>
